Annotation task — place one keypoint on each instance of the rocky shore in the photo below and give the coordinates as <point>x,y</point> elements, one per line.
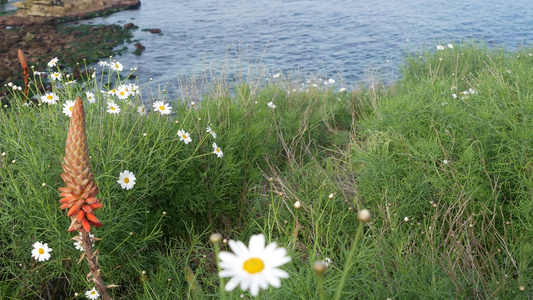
<point>37,30</point>
<point>34,12</point>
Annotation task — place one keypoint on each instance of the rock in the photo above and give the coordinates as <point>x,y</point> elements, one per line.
<point>140,46</point>
<point>155,30</point>
<point>29,37</point>
<point>129,25</point>
<point>39,11</point>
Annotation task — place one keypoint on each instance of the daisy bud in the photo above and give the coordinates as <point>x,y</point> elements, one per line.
<point>319,267</point>
<point>143,272</point>
<point>13,161</point>
<point>225,241</point>
<point>164,213</point>
<point>3,154</point>
<point>270,179</point>
<point>522,288</point>
<point>297,205</point>
<point>43,184</point>
<point>363,215</point>
<point>215,238</point>
<point>144,134</point>
<point>406,219</point>
<point>330,196</point>
<point>169,280</point>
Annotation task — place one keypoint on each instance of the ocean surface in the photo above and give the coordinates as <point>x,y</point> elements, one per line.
<point>332,39</point>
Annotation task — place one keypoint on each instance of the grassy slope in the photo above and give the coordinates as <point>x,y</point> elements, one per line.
<point>458,169</point>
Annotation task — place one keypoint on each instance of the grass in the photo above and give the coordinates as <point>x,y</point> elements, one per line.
<point>447,180</point>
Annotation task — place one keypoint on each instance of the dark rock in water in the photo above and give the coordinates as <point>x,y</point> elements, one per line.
<point>130,26</point>
<point>139,48</point>
<point>155,30</point>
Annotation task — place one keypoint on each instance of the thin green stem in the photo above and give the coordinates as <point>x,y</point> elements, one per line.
<point>349,261</point>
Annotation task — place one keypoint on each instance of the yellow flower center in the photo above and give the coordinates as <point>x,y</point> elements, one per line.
<point>50,97</point>
<point>117,66</point>
<point>126,180</point>
<point>93,292</point>
<point>184,136</point>
<point>41,251</point>
<point>218,149</point>
<point>71,108</point>
<point>161,107</point>
<point>253,265</point>
<point>112,108</point>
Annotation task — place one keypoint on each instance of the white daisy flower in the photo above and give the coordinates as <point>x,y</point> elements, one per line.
<point>79,246</point>
<point>56,76</point>
<point>122,92</point>
<point>276,75</point>
<point>342,90</point>
<point>331,81</point>
<point>209,130</point>
<point>70,82</point>
<point>68,107</point>
<point>440,47</point>
<point>112,108</point>
<point>126,180</point>
<point>116,66</point>
<point>217,151</point>
<point>50,98</point>
<point>103,63</point>
<point>327,262</point>
<point>142,110</point>
<point>90,97</point>
<point>92,294</point>
<point>184,136</point>
<point>134,89</point>
<point>53,62</point>
<point>162,107</point>
<point>454,96</point>
<point>271,105</point>
<point>41,252</point>
<point>10,84</point>
<point>450,46</point>
<point>37,73</point>
<point>254,267</point>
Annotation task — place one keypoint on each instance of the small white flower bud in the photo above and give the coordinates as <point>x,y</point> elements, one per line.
<point>297,205</point>
<point>363,215</point>
<point>215,238</point>
<point>319,267</point>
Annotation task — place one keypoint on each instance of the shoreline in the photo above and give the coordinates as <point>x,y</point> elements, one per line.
<point>43,38</point>
<point>21,18</point>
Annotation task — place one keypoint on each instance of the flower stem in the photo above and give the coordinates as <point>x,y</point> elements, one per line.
<point>221,280</point>
<point>349,261</point>
<point>93,265</point>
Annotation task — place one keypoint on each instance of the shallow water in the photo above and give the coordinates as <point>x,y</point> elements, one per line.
<point>330,38</point>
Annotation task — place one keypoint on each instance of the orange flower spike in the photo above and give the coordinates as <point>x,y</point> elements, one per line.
<point>24,65</point>
<point>81,190</point>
